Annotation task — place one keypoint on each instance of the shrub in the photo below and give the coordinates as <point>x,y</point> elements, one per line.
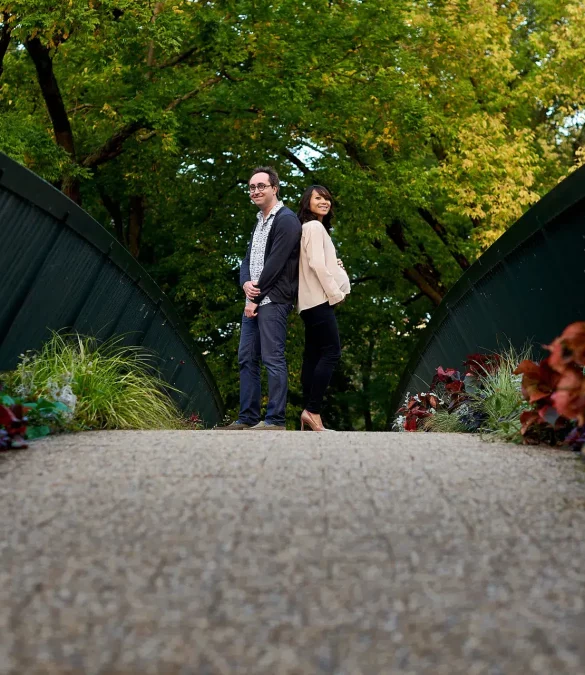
<point>484,397</point>
<point>29,418</point>
<point>444,422</point>
<point>415,409</point>
<point>532,402</point>
<point>101,386</point>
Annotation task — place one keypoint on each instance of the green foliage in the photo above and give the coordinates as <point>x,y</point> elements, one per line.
<point>29,417</point>
<point>107,386</point>
<point>444,422</point>
<point>500,399</point>
<point>46,416</point>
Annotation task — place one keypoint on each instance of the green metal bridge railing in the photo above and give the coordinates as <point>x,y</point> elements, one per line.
<point>526,288</point>
<point>59,268</point>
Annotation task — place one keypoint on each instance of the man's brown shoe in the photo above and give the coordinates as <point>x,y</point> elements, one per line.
<point>234,426</point>
<point>263,426</point>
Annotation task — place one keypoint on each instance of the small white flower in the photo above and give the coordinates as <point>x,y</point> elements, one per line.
<point>52,389</point>
<point>399,423</point>
<point>68,398</point>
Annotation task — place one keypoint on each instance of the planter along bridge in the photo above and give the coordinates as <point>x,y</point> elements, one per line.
<point>62,270</point>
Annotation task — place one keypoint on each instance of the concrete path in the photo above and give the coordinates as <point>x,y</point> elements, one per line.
<point>215,553</point>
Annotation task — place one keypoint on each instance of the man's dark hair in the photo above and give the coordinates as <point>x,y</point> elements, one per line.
<point>305,214</point>
<point>272,175</point>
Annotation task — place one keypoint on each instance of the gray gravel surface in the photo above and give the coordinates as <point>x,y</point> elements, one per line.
<point>217,553</point>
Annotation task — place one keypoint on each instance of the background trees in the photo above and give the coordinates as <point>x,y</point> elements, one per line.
<point>436,124</point>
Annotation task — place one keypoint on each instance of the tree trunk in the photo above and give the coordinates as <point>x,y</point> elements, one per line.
<point>150,55</point>
<point>114,209</point>
<point>390,417</point>
<point>112,147</point>
<point>135,223</point>
<point>441,232</point>
<point>4,39</point>
<point>414,276</point>
<point>366,380</point>
<point>424,275</point>
<point>40,55</point>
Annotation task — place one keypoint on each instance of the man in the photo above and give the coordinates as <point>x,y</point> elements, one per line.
<point>269,276</point>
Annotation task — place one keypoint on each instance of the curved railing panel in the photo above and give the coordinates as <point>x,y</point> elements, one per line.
<point>526,287</point>
<point>61,269</point>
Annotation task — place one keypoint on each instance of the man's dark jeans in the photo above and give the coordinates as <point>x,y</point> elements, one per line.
<point>264,337</point>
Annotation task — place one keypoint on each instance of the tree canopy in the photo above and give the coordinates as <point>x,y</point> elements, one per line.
<point>435,124</point>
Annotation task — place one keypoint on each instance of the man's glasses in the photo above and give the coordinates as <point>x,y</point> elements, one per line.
<point>260,187</point>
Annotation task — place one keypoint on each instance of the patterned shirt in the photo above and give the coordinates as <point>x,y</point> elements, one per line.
<point>263,227</point>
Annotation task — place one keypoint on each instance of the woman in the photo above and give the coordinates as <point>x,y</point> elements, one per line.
<point>323,283</point>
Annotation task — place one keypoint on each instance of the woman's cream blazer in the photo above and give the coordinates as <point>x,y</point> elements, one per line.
<point>321,279</point>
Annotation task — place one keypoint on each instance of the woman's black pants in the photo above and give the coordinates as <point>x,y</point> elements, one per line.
<point>322,352</point>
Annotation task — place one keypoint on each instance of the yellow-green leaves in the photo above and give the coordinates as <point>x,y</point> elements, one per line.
<point>489,174</point>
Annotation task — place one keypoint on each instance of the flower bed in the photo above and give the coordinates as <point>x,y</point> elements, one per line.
<point>508,396</point>
<point>75,383</point>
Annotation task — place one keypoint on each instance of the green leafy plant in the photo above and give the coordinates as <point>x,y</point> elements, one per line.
<point>508,396</point>
<point>498,396</point>
<point>23,419</point>
<point>40,417</point>
<point>85,384</point>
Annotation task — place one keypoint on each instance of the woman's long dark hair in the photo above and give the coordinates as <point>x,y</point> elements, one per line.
<point>305,214</point>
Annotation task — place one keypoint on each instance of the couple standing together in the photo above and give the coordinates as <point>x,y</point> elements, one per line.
<point>290,259</point>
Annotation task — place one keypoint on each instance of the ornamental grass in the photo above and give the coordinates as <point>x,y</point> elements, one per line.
<point>498,397</point>
<point>107,385</point>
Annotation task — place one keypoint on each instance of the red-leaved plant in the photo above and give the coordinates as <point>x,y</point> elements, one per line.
<point>556,389</point>
<point>478,365</point>
<point>12,427</point>
<point>451,381</point>
<point>417,408</point>
<point>447,390</point>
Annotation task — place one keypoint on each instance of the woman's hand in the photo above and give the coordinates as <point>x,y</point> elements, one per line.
<point>340,263</point>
